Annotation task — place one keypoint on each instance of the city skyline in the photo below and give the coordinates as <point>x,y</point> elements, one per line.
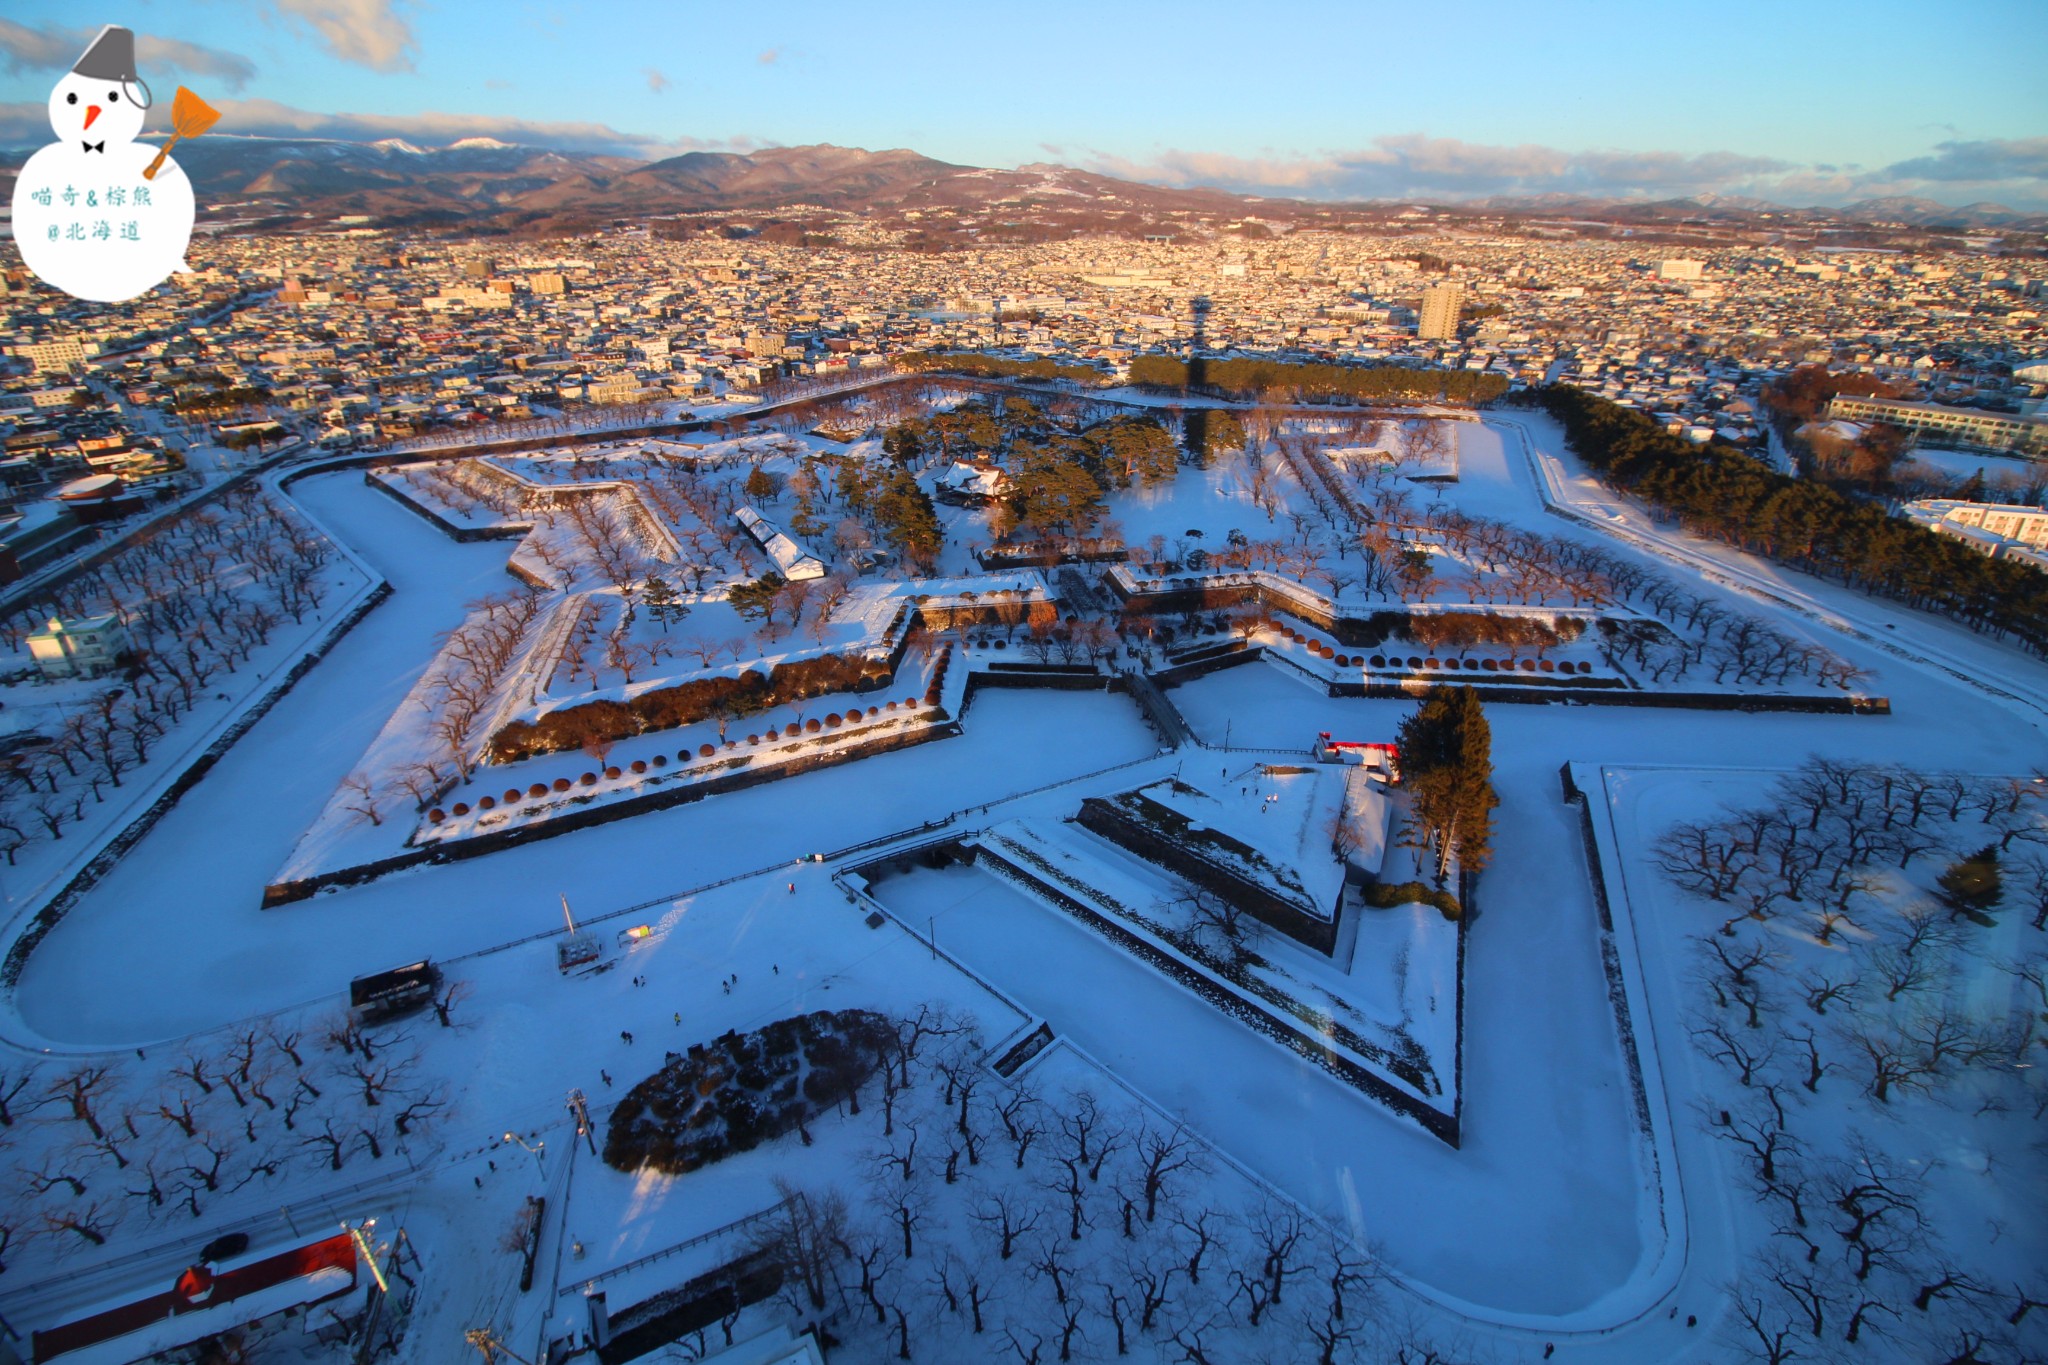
<point>1319,102</point>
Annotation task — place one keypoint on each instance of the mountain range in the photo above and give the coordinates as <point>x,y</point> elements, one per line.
<point>485,184</point>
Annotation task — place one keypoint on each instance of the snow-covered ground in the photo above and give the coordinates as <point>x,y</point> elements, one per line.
<point>2008,470</point>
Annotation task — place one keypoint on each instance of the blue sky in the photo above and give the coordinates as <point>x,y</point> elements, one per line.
<point>1793,101</point>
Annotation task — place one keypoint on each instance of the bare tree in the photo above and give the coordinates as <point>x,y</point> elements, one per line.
<point>1067,1182</point>
<point>1821,990</point>
<point>14,1079</point>
<point>1161,1154</point>
<point>92,1222</point>
<point>1007,1216</point>
<point>1204,1230</point>
<point>802,1233</point>
<point>1277,1232</point>
<point>81,1089</point>
<point>55,1170</point>
<point>326,1140</point>
<point>1906,961</point>
<point>359,794</point>
<point>1150,1268</point>
<point>1768,1334</point>
<point>1747,1056</point>
<point>285,1038</point>
<point>1759,1129</point>
<point>1213,918</point>
<point>452,994</point>
<point>1022,1116</point>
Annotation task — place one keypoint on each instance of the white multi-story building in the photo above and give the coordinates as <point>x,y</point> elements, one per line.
<point>84,648</point>
<point>2001,530</point>
<point>55,357</point>
<point>1965,426</point>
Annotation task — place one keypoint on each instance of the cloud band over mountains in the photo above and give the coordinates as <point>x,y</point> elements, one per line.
<point>2012,171</point>
<point>28,125</point>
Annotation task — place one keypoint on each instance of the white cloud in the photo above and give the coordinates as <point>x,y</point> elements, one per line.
<point>656,81</point>
<point>1980,162</point>
<point>369,33</point>
<point>55,49</point>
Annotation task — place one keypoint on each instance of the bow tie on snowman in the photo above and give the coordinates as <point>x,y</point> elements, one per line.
<point>98,214</point>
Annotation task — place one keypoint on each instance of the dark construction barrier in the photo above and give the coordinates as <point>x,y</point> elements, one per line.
<point>1414,685</point>
<point>697,1303</point>
<point>1255,900</point>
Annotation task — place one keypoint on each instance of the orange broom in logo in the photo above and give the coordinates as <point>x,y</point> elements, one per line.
<point>190,116</point>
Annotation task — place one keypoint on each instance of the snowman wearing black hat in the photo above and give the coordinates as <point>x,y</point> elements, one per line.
<point>91,214</point>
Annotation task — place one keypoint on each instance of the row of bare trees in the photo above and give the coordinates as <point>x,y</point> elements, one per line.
<point>458,694</point>
<point>1834,829</point>
<point>101,1149</point>
<point>569,423</point>
<point>199,595</point>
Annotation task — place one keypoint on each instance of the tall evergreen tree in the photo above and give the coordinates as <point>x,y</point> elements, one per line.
<point>1056,495</point>
<point>906,518</point>
<point>1447,768</point>
<point>756,598</point>
<point>1972,886</point>
<point>663,604</point>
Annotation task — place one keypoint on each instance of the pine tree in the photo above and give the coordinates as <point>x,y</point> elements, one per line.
<point>903,444</point>
<point>756,598</point>
<point>1055,495</point>
<point>1972,886</point>
<point>761,486</point>
<point>905,516</point>
<point>1447,768</point>
<point>662,602</point>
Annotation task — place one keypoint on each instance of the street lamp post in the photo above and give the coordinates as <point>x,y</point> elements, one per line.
<point>537,1151</point>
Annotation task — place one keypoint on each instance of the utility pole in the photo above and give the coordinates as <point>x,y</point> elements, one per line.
<point>373,1313</point>
<point>580,1107</point>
